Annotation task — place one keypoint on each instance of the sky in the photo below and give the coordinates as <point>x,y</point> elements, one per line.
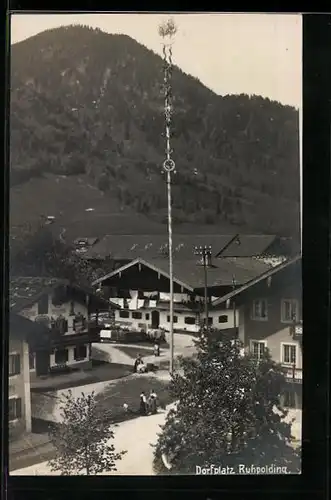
<point>229,53</point>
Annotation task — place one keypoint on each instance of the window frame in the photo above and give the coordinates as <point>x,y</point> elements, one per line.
<point>134,313</point>
<point>175,319</point>
<point>259,318</point>
<point>293,395</point>
<point>282,351</point>
<point>80,358</point>
<point>125,312</point>
<point>282,304</point>
<point>189,317</point>
<point>15,373</point>
<point>251,342</point>
<point>223,316</point>
<point>46,312</point>
<point>15,398</point>
<point>64,349</point>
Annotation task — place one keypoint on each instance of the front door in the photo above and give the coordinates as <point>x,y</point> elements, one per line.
<point>42,363</point>
<point>155,319</point>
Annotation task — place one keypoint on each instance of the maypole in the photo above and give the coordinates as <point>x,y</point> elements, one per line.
<point>167,30</point>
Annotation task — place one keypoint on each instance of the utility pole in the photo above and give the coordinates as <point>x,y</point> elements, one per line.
<point>205,254</point>
<point>167,31</point>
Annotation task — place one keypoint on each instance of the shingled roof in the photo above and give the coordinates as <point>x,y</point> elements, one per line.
<point>21,328</point>
<point>247,245</point>
<point>191,274</point>
<point>270,272</point>
<point>26,291</point>
<point>129,247</point>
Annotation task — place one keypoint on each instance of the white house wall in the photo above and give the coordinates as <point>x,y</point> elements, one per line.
<point>143,323</point>
<point>56,311</point>
<point>71,357</point>
<point>19,385</point>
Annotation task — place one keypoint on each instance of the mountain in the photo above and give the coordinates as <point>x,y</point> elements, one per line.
<point>89,105</point>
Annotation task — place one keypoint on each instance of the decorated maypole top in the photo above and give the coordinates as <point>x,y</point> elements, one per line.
<point>167,31</point>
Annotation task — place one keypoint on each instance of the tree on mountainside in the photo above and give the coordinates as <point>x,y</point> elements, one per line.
<point>82,438</point>
<point>39,253</point>
<point>228,412</point>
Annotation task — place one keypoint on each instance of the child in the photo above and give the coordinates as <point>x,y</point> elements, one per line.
<point>156,349</point>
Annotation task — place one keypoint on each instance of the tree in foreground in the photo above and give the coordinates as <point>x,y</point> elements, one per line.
<point>228,413</point>
<point>81,439</point>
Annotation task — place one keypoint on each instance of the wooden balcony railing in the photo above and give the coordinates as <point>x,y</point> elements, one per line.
<point>293,374</point>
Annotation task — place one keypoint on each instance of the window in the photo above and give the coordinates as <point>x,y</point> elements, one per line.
<point>210,321</point>
<point>147,316</point>
<point>260,310</point>
<point>79,323</point>
<point>14,364</point>
<point>289,354</point>
<point>289,310</point>
<point>60,325</point>
<point>223,319</point>
<point>72,308</point>
<point>188,320</point>
<point>136,315</point>
<point>43,305</point>
<point>289,399</point>
<point>175,319</point>
<point>257,349</point>
<point>80,352</point>
<point>14,409</point>
<point>31,361</point>
<point>61,356</point>
<point>124,314</point>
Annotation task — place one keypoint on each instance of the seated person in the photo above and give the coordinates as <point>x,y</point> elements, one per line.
<point>141,367</point>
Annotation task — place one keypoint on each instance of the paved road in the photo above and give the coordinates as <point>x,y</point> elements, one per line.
<point>136,436</point>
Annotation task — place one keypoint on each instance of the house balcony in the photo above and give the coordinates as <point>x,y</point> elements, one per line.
<point>293,374</point>
<point>84,332</point>
<point>296,331</point>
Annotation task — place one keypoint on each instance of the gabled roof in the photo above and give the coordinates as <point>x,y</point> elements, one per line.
<point>190,274</point>
<point>21,328</point>
<point>26,291</point>
<point>129,247</point>
<point>257,280</point>
<point>150,265</point>
<point>247,245</point>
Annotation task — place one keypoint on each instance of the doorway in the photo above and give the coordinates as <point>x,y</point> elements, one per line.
<point>155,319</point>
<point>42,363</point>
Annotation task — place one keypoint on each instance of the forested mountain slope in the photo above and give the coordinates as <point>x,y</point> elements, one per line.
<point>88,103</point>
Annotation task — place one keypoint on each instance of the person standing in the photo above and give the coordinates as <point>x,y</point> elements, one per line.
<point>143,404</point>
<point>153,402</point>
<point>137,363</point>
<point>156,348</point>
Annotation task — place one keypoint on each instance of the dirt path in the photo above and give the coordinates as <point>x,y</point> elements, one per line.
<point>136,436</point>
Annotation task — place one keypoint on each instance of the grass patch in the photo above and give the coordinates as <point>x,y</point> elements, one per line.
<point>128,391</point>
<point>109,371</point>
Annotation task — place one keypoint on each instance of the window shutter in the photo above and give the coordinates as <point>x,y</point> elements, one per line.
<point>11,412</point>
<point>17,364</point>
<point>18,408</point>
